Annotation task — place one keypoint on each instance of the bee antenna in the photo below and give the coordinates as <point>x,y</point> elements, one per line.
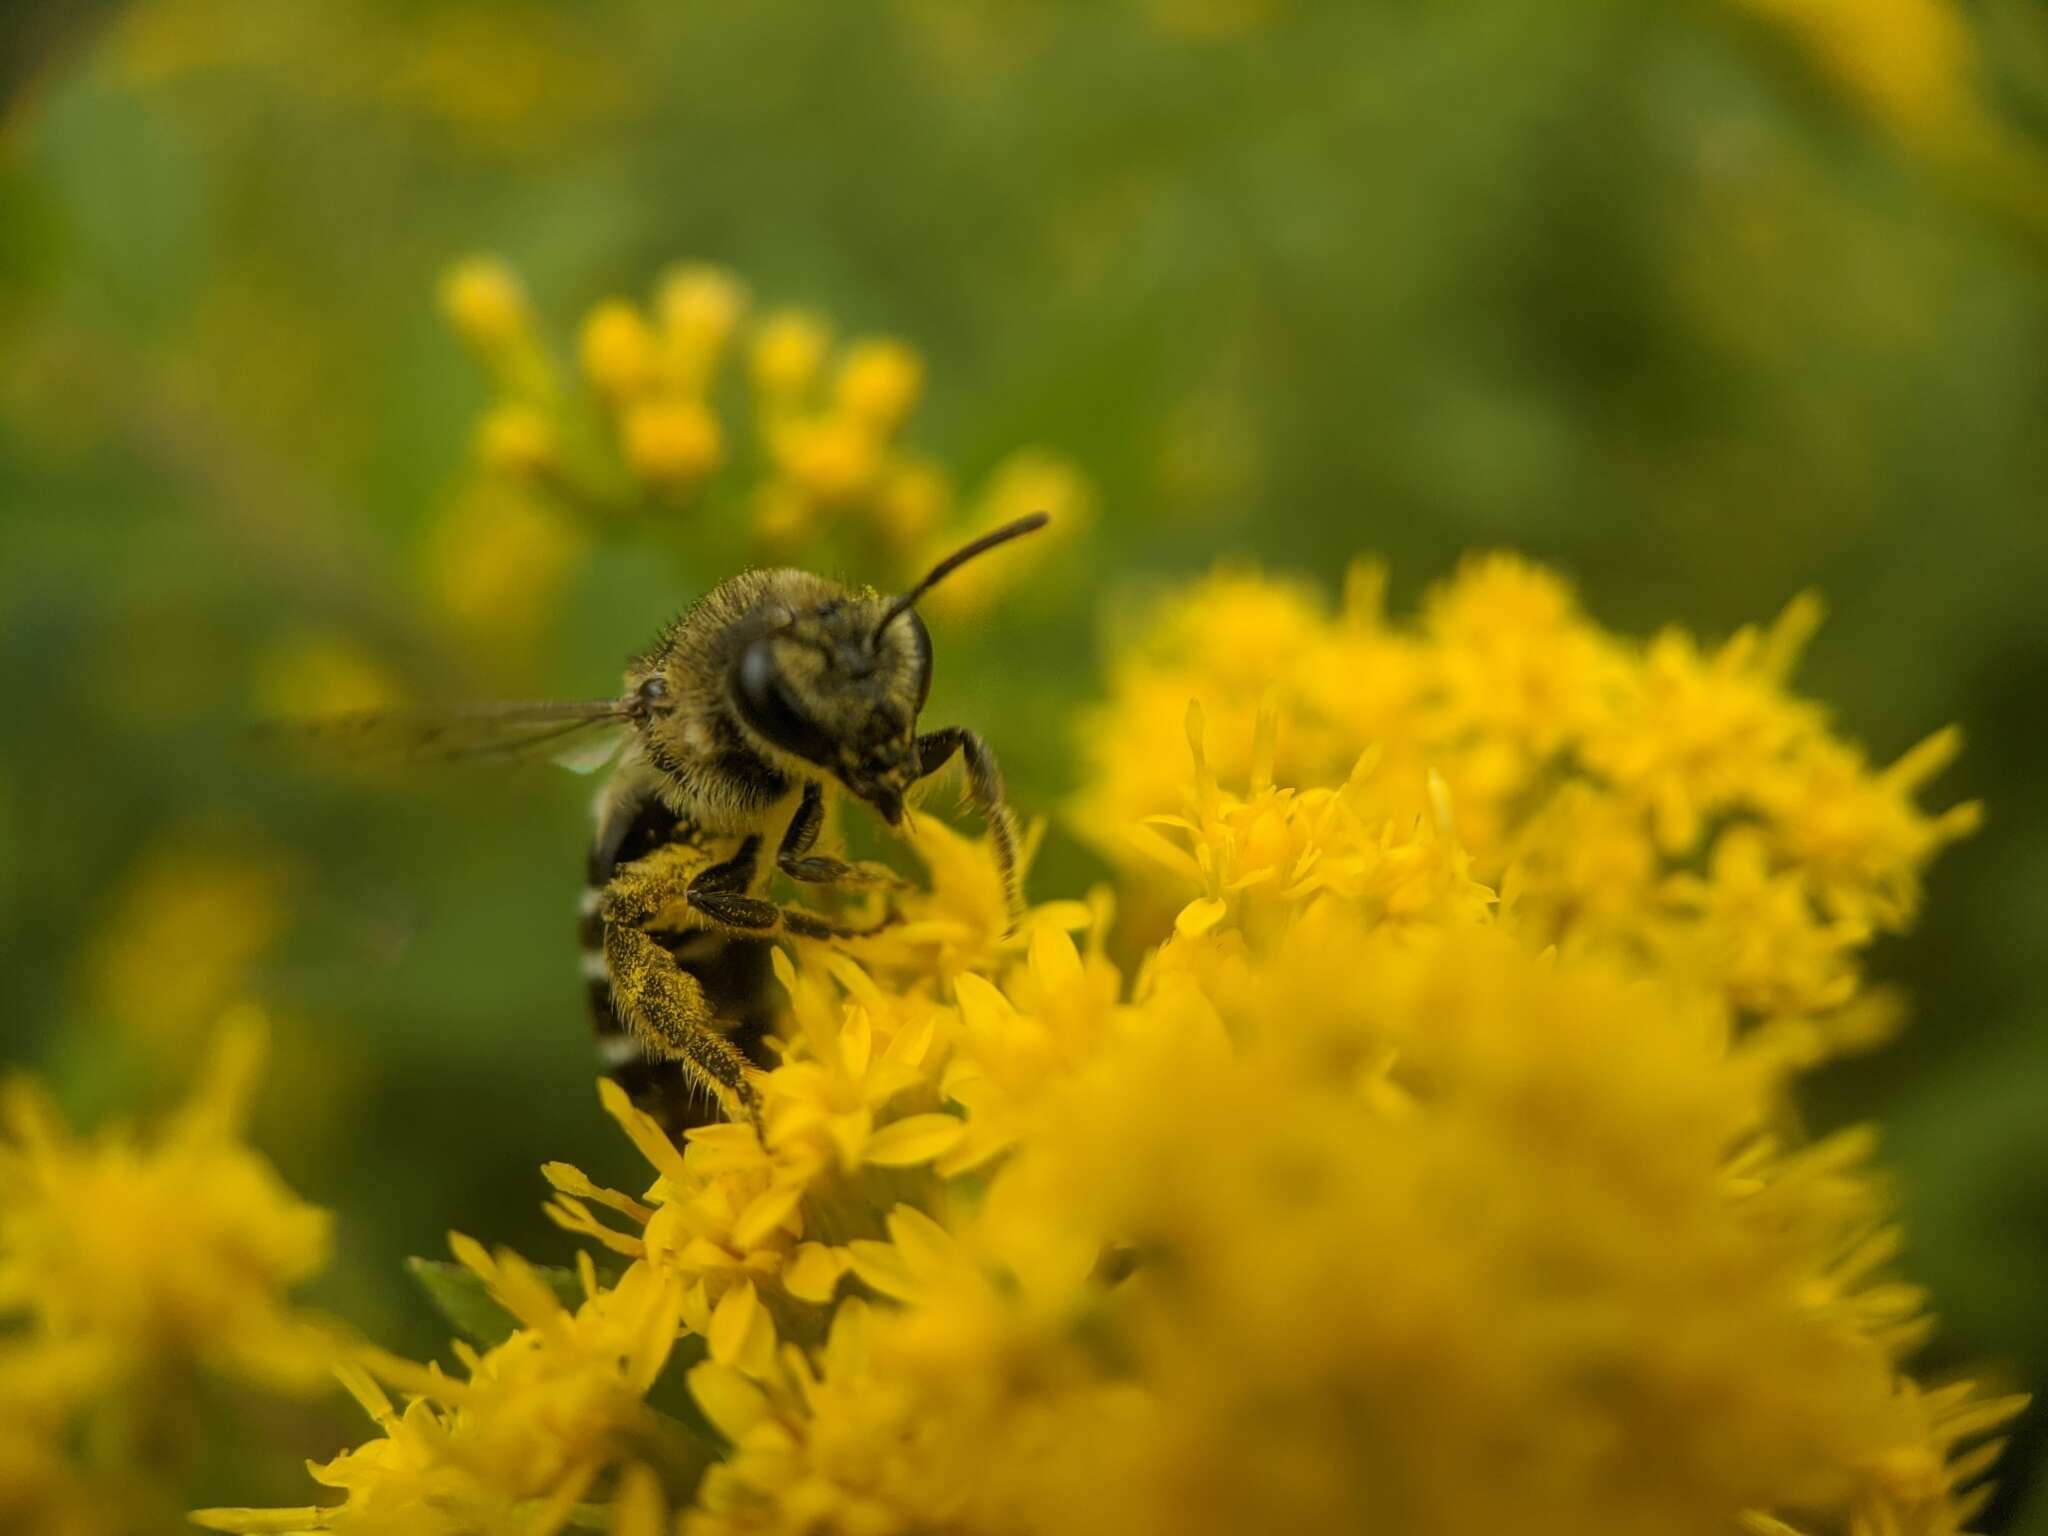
<point>953,562</point>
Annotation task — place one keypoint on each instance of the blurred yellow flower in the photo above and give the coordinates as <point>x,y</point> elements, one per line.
<point>699,309</point>
<point>517,440</point>
<point>486,303</point>
<point>516,1443</point>
<point>823,441</point>
<point>1910,63</point>
<point>46,1389</point>
<point>828,459</point>
<point>308,673</point>
<point>671,441</point>
<point>176,1248</point>
<point>496,563</point>
<point>618,350</point>
<point>878,384</point>
<point>787,354</point>
<point>1415,1180</point>
<point>185,929</point>
<point>1583,774</point>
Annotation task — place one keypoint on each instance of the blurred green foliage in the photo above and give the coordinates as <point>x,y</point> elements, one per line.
<point>1650,292</point>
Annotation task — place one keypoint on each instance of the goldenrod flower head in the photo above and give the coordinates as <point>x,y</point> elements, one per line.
<point>1910,63</point>
<point>914,499</point>
<point>1579,771</point>
<point>46,1388</point>
<point>518,441</point>
<point>487,304</point>
<point>879,383</point>
<point>618,350</point>
<point>305,674</point>
<point>185,928</point>
<point>519,1441</point>
<point>826,439</point>
<point>177,1247</point>
<point>699,309</point>
<point>787,354</point>
<point>497,561</point>
<point>832,460</point>
<point>672,440</point>
<point>1856,834</point>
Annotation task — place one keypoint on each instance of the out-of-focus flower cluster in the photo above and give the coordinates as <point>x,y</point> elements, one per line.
<point>1431,1174</point>
<point>1666,804</point>
<point>698,410</point>
<point>131,1265</point>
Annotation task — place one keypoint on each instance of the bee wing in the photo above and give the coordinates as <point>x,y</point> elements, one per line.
<point>568,732</point>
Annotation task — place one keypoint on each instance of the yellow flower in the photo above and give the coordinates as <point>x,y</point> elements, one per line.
<point>878,384</point>
<point>699,309</point>
<point>914,500</point>
<point>517,1442</point>
<point>671,440</point>
<point>46,1389</point>
<point>618,350</point>
<point>496,563</point>
<point>788,352</point>
<point>829,445</point>
<point>179,1247</point>
<point>309,673</point>
<point>1910,63</point>
<point>486,303</point>
<point>831,459</point>
<point>1858,836</point>
<point>517,440</point>
<point>1697,735</point>
<point>1582,771</point>
<point>184,931</point>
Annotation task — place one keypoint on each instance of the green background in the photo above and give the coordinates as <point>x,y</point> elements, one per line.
<point>1633,288</point>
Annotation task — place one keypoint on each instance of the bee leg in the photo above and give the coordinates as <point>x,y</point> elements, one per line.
<point>668,1010</point>
<point>719,894</point>
<point>794,857</point>
<point>984,792</point>
<point>637,892</point>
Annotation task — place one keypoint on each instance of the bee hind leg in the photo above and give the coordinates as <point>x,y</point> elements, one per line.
<point>667,1008</point>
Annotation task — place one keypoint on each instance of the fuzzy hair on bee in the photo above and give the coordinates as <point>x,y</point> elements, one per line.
<point>772,687</point>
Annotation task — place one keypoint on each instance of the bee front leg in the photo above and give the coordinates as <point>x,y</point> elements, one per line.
<point>668,1011</point>
<point>984,792</point>
<point>794,857</point>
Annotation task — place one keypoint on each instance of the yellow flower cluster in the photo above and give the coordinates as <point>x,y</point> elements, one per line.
<point>1664,803</point>
<point>1378,1198</point>
<point>673,392</point>
<point>127,1263</point>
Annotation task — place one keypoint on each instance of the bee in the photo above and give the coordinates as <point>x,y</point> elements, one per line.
<point>773,689</point>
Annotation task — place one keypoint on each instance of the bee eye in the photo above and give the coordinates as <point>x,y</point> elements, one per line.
<point>767,704</point>
<point>653,691</point>
<point>921,649</point>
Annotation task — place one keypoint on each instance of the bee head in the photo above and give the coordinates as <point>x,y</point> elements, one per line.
<point>839,683</point>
